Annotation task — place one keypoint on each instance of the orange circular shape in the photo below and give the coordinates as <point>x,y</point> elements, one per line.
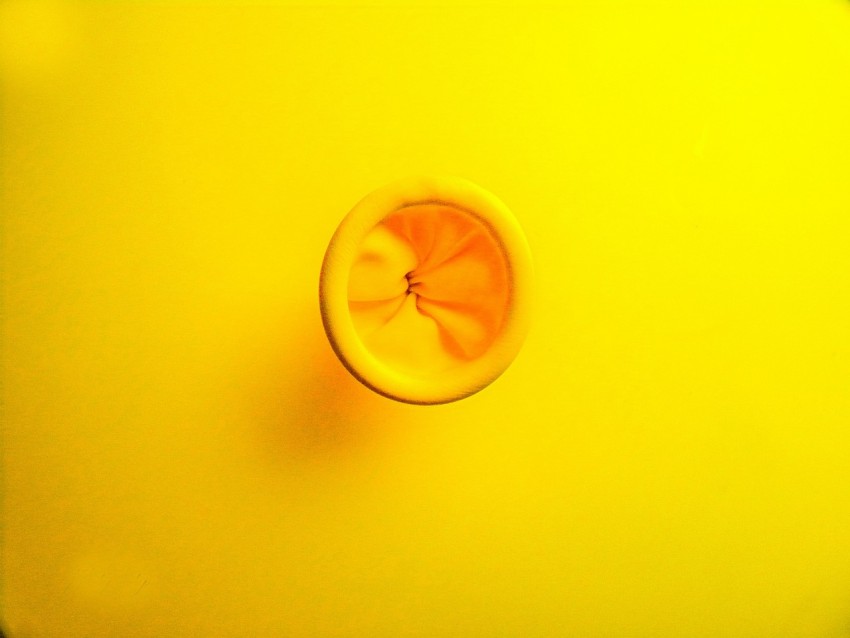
<point>425,290</point>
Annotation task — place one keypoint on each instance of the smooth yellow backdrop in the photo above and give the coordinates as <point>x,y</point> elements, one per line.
<point>669,455</point>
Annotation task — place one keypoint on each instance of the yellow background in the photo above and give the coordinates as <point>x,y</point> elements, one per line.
<point>669,455</point>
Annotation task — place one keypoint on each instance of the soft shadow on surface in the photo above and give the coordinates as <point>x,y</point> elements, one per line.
<point>307,407</point>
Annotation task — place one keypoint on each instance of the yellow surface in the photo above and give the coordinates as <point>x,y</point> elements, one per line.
<point>183,455</point>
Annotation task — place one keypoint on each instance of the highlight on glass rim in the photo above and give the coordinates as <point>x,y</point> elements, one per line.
<point>425,289</point>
